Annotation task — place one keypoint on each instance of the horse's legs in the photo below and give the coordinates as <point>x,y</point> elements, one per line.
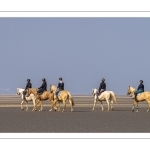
<point>53,105</point>
<point>111,105</point>
<point>26,105</point>
<point>58,106</point>
<point>64,102</point>
<point>41,106</point>
<point>108,105</point>
<point>33,104</point>
<point>21,105</point>
<point>137,108</point>
<point>135,103</point>
<point>94,104</point>
<point>148,105</point>
<point>70,104</point>
<point>102,105</point>
<point>37,104</point>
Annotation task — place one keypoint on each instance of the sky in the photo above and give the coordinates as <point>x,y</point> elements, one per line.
<point>80,50</point>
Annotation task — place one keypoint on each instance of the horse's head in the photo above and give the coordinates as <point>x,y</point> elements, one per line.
<point>53,88</point>
<point>94,92</point>
<point>19,91</point>
<point>128,91</point>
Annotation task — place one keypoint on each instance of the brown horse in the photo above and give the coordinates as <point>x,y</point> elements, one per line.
<point>144,96</point>
<point>64,95</point>
<point>45,96</point>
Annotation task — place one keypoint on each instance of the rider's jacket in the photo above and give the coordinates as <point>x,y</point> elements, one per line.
<point>28,85</point>
<point>141,87</point>
<point>102,86</point>
<point>43,87</point>
<point>60,86</point>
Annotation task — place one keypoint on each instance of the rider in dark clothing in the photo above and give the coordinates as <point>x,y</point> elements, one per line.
<point>140,89</point>
<point>60,86</point>
<point>102,86</point>
<point>28,85</point>
<point>43,87</point>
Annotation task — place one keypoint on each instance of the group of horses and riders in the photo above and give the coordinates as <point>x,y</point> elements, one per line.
<point>55,94</point>
<point>58,94</point>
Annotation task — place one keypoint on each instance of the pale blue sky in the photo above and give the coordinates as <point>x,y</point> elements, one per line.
<point>80,50</point>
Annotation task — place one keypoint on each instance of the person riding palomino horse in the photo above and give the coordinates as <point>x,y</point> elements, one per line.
<point>60,87</point>
<point>140,89</point>
<point>28,85</point>
<point>42,88</point>
<point>143,96</point>
<point>102,86</point>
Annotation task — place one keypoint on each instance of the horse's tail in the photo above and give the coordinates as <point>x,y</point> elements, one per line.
<point>71,99</point>
<point>114,97</point>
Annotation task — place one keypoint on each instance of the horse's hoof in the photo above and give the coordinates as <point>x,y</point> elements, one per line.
<point>112,109</point>
<point>22,109</point>
<point>147,110</point>
<point>50,110</point>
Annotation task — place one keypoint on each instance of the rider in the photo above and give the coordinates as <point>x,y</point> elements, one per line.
<point>28,85</point>
<point>102,86</point>
<point>140,89</point>
<point>60,86</point>
<point>42,88</point>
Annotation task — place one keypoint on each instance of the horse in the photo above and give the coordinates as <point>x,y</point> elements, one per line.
<point>104,96</point>
<point>144,96</point>
<point>27,99</point>
<point>64,95</point>
<point>44,96</point>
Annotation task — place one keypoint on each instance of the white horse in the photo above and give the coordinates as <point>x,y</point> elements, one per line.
<point>107,96</point>
<point>31,97</point>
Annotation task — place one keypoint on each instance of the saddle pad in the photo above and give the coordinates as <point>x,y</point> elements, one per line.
<point>59,93</point>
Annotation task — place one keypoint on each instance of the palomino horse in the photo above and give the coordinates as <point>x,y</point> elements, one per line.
<point>64,95</point>
<point>144,96</point>
<point>45,96</point>
<point>104,96</point>
<point>27,99</point>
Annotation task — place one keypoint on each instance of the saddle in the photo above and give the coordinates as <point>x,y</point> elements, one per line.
<point>98,94</point>
<point>58,94</point>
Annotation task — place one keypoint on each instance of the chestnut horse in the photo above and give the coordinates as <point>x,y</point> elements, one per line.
<point>64,95</point>
<point>44,96</point>
<point>144,96</point>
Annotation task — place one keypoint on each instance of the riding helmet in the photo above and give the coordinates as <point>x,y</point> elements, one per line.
<point>43,79</point>
<point>60,79</point>
<point>28,80</point>
<point>141,81</point>
<point>103,79</point>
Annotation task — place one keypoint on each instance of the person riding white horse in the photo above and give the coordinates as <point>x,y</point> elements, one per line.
<point>28,85</point>
<point>102,86</point>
